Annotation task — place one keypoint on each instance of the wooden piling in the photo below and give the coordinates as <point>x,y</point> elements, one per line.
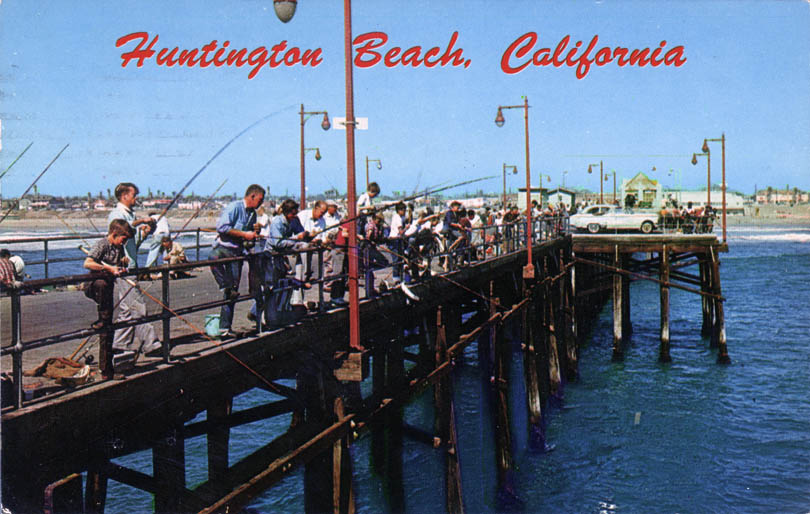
<point>95,494</point>
<point>627,325</point>
<point>533,400</point>
<point>618,303</point>
<point>169,465</point>
<point>705,301</point>
<point>392,482</point>
<point>218,438</point>
<point>342,489</point>
<point>719,332</point>
<point>503,439</point>
<point>663,354</point>
<point>445,422</point>
<point>550,322</point>
<point>569,319</point>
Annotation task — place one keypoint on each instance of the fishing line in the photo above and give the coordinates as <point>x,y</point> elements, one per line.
<point>11,208</point>
<point>17,159</point>
<point>218,152</point>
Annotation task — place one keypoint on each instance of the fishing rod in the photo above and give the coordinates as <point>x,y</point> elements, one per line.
<point>200,208</point>
<point>34,182</point>
<point>265,381</point>
<point>17,159</point>
<point>392,204</point>
<point>218,152</point>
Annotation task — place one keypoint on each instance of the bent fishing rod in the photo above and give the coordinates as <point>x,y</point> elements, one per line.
<point>217,154</point>
<point>34,182</point>
<point>200,208</point>
<point>15,160</point>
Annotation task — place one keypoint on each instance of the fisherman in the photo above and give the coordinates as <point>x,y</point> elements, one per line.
<point>174,254</point>
<point>365,205</point>
<point>131,302</point>
<point>108,260</point>
<point>155,242</point>
<point>236,229</point>
<point>7,276</point>
<point>398,226</point>
<point>277,288</point>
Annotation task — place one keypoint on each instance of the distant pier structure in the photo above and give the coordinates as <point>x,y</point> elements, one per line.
<point>59,450</point>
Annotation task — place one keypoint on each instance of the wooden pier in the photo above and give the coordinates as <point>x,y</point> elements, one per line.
<point>409,345</point>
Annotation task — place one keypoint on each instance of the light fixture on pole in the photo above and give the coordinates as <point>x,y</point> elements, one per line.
<point>614,182</point>
<point>324,125</point>
<point>528,270</point>
<point>722,140</point>
<point>285,9</point>
<point>601,178</point>
<point>708,171</point>
<point>514,172</point>
<point>379,167</point>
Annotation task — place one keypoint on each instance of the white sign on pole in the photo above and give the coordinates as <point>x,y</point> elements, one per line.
<point>340,123</point>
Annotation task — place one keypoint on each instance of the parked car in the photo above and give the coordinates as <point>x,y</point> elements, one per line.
<point>598,218</point>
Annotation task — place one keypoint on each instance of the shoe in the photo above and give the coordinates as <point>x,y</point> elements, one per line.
<point>151,347</point>
<point>112,376</point>
<point>226,334</point>
<point>339,302</point>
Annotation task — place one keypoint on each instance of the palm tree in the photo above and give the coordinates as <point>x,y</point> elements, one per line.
<point>770,192</point>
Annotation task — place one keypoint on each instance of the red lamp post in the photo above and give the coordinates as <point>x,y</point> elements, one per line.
<point>324,125</point>
<point>528,270</point>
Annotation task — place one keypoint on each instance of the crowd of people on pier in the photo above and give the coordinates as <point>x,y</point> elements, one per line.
<point>283,247</point>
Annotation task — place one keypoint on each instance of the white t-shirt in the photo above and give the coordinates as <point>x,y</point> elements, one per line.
<point>397,223</point>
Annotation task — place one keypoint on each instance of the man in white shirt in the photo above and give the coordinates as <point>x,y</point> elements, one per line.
<point>130,300</point>
<point>161,230</point>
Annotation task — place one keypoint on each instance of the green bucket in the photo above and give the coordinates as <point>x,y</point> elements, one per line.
<point>212,325</point>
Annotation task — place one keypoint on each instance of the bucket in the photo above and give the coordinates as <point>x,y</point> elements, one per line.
<point>212,325</point>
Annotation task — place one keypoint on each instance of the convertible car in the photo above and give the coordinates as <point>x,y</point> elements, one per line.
<point>599,218</point>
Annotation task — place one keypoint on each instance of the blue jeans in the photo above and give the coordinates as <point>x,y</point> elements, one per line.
<point>227,276</point>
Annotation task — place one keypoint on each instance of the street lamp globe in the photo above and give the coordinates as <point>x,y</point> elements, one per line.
<point>325,123</point>
<point>499,120</point>
<point>694,159</point>
<point>285,9</point>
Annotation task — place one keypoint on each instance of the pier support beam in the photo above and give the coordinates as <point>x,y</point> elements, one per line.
<point>169,465</point>
<point>218,438</point>
<point>95,493</point>
<point>342,489</point>
<point>663,354</point>
<point>537,437</point>
<point>627,325</point>
<point>445,421</point>
<point>550,322</point>
<point>570,318</point>
<point>705,301</point>
<point>503,441</point>
<point>719,329</point>
<point>618,303</point>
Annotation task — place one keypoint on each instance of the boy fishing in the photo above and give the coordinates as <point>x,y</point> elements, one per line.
<point>107,258</point>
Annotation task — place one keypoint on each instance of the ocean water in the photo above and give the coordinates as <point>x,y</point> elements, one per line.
<point>635,436</point>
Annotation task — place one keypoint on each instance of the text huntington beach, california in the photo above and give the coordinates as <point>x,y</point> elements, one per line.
<point>372,49</point>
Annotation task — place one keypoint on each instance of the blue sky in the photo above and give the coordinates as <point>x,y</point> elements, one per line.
<point>747,74</point>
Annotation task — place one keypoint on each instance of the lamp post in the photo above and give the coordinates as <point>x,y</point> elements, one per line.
<point>678,172</point>
<point>564,173</point>
<point>548,179</point>
<point>528,270</point>
<point>285,10</point>
<point>722,140</point>
<point>708,171</point>
<point>601,178</point>
<point>324,125</point>
<point>514,172</point>
<point>379,167</point>
<point>613,172</point>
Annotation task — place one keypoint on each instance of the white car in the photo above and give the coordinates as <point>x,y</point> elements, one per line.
<point>598,218</point>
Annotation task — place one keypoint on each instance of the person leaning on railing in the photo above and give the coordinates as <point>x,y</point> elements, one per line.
<point>107,261</point>
<point>236,228</point>
<point>8,279</point>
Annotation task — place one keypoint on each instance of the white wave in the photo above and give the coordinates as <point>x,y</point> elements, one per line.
<point>785,237</point>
